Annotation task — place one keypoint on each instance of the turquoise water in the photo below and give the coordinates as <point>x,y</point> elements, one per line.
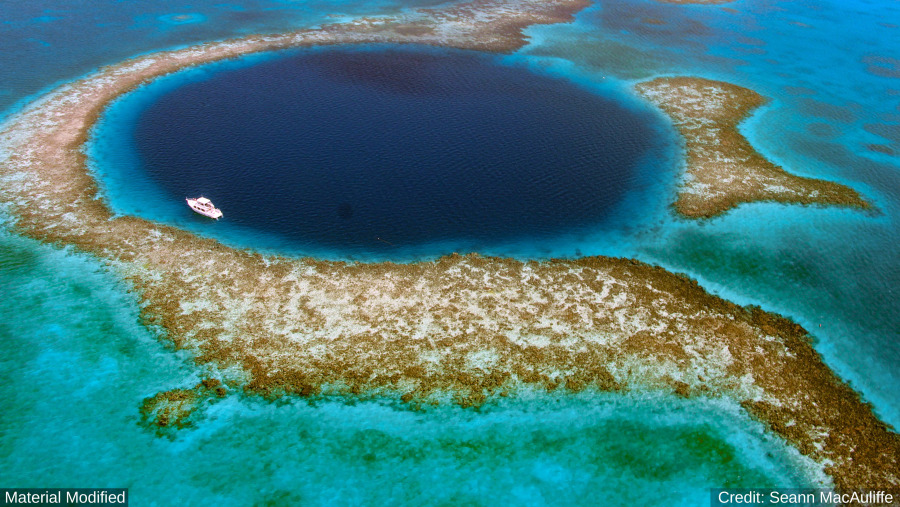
<point>49,42</point>
<point>76,365</point>
<point>62,315</point>
<point>834,271</point>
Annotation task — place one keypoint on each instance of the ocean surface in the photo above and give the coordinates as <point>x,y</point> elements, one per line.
<point>76,362</point>
<point>382,153</point>
<point>77,365</point>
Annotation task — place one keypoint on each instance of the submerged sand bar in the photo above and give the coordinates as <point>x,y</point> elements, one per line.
<point>465,326</point>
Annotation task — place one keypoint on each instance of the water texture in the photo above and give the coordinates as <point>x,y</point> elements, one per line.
<point>69,429</point>
<point>48,42</point>
<point>379,152</point>
<point>831,70</point>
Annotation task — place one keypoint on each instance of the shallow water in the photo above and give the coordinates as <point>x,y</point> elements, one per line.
<point>834,268</point>
<point>834,271</point>
<point>66,316</point>
<point>48,42</point>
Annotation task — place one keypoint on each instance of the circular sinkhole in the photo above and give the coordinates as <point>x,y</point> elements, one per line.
<point>375,152</point>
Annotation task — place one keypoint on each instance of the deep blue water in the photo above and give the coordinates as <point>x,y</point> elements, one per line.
<point>378,150</point>
<point>830,67</point>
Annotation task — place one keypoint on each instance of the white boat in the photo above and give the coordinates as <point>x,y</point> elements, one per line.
<point>205,207</point>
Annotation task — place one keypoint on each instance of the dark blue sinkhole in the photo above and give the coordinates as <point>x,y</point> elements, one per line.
<point>368,150</point>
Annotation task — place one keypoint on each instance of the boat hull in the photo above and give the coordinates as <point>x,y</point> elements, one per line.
<point>207,211</point>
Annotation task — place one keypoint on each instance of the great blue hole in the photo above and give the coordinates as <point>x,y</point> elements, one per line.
<point>367,151</point>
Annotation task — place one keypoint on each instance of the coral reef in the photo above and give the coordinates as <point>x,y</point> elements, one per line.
<point>463,327</point>
<point>723,169</point>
